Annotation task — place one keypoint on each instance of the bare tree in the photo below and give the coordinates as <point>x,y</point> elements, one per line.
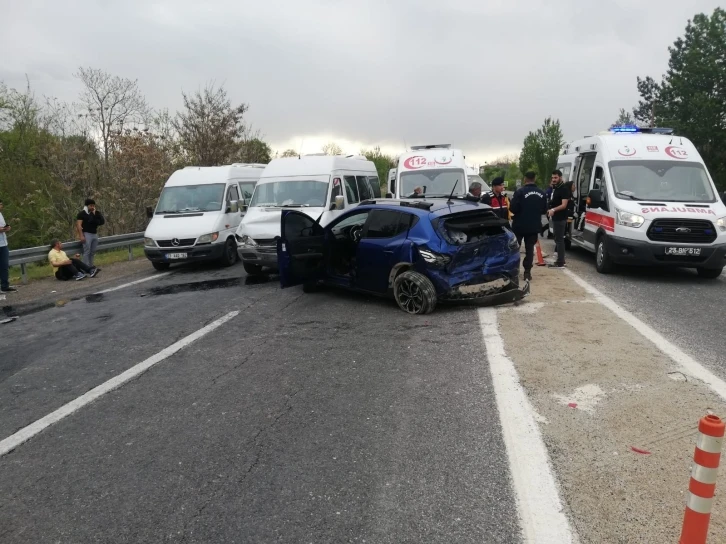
<point>331,148</point>
<point>210,129</point>
<point>111,103</point>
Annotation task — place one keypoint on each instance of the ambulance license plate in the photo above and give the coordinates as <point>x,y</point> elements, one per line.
<point>683,251</point>
<point>176,255</point>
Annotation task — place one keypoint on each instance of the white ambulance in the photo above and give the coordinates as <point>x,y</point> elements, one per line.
<point>429,170</point>
<point>643,196</point>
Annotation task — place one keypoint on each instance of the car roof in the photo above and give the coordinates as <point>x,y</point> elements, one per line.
<point>424,206</point>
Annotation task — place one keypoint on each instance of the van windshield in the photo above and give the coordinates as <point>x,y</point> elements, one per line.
<point>664,181</point>
<point>191,198</point>
<point>438,182</point>
<point>291,193</point>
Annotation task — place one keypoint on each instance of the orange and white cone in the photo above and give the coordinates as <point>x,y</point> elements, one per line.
<point>540,259</point>
<point>702,486</point>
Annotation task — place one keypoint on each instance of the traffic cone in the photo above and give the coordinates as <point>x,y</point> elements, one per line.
<point>702,486</point>
<point>540,259</point>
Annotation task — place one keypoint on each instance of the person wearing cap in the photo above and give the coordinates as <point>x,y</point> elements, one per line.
<point>529,204</point>
<point>497,199</point>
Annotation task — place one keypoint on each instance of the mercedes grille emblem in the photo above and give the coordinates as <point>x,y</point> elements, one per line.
<point>175,242</point>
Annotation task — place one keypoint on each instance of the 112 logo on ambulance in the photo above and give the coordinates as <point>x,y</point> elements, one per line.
<point>676,152</point>
<point>414,163</point>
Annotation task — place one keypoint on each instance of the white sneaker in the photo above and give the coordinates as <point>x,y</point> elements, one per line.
<point>80,276</point>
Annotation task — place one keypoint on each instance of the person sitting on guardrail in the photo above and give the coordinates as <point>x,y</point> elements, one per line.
<point>5,286</point>
<point>66,268</point>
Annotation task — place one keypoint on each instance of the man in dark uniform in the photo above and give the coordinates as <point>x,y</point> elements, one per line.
<point>497,199</point>
<point>561,196</point>
<point>529,204</point>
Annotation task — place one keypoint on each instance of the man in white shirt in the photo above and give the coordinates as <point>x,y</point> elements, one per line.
<point>4,255</point>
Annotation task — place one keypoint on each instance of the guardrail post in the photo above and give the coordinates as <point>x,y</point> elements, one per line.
<point>24,273</point>
<point>131,252</point>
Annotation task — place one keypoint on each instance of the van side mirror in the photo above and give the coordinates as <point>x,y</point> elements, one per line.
<point>339,202</point>
<point>149,212</point>
<point>594,198</point>
<point>723,197</point>
<point>389,195</point>
<point>233,206</point>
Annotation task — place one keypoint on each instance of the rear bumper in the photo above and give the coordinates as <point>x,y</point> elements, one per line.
<point>260,255</point>
<point>500,291</point>
<point>208,252</point>
<point>637,252</point>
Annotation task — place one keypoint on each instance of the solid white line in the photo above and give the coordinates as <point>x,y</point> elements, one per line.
<point>142,280</point>
<point>688,365</point>
<point>540,510</point>
<point>31,430</point>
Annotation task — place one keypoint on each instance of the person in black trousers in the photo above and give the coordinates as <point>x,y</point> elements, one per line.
<point>529,203</point>
<point>561,197</point>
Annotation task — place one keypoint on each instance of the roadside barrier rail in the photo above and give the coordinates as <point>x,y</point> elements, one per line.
<point>22,257</point>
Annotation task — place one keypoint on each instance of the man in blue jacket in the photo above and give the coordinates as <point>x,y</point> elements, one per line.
<point>529,203</point>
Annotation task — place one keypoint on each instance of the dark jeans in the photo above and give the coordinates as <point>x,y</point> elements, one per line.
<point>69,271</point>
<point>560,227</point>
<point>530,240</point>
<point>4,262</point>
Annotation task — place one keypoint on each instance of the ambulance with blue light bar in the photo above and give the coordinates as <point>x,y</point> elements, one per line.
<point>643,196</point>
<point>429,171</point>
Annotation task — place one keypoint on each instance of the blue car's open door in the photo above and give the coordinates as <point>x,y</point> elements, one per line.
<point>300,249</point>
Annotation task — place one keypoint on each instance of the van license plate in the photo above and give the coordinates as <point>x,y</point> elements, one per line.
<point>176,255</point>
<point>685,251</point>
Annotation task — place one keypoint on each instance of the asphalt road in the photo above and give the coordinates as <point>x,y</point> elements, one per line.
<point>684,308</point>
<point>327,417</point>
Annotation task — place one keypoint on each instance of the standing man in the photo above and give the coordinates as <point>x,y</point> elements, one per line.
<point>561,196</point>
<point>4,256</point>
<point>497,199</point>
<point>87,223</point>
<point>474,191</point>
<point>529,203</point>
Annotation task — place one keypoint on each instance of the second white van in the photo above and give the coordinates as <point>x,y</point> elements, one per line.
<point>321,186</point>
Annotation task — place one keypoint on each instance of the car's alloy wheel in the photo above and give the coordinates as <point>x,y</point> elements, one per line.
<point>414,293</point>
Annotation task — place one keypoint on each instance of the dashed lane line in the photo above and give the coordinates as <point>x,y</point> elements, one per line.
<point>26,433</point>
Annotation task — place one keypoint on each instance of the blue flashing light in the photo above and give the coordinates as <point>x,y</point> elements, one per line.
<point>625,128</point>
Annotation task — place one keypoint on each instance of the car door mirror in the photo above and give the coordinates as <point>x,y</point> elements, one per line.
<point>594,198</point>
<point>149,212</point>
<point>389,195</point>
<point>233,206</point>
<point>339,202</point>
<point>723,197</point>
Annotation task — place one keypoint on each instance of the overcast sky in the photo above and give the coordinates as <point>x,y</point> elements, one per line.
<point>475,73</point>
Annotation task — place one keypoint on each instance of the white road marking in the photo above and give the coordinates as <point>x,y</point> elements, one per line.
<point>142,280</point>
<point>31,430</point>
<point>688,365</point>
<point>540,509</point>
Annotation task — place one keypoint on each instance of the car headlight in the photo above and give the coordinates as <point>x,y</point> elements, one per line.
<point>628,219</point>
<point>208,238</point>
<point>149,242</point>
<point>513,244</point>
<point>432,257</point>
<point>721,224</point>
<point>245,240</point>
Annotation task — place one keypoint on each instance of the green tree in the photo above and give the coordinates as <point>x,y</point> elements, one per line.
<point>624,118</point>
<point>255,150</point>
<point>691,98</point>
<point>210,128</point>
<point>289,153</point>
<point>383,164</point>
<point>541,149</point>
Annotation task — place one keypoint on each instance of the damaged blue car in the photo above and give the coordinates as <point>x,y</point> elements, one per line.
<point>421,252</point>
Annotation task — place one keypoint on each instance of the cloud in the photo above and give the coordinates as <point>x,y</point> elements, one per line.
<point>476,74</point>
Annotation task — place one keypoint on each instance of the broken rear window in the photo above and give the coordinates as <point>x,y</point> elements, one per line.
<point>466,227</point>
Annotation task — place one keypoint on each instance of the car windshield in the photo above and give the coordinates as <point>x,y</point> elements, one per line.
<point>291,193</point>
<point>434,182</point>
<point>191,198</point>
<point>665,181</point>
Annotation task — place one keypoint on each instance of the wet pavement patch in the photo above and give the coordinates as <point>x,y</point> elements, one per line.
<point>256,280</point>
<point>192,287</point>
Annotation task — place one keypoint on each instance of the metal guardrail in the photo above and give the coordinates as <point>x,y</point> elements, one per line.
<point>22,257</point>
